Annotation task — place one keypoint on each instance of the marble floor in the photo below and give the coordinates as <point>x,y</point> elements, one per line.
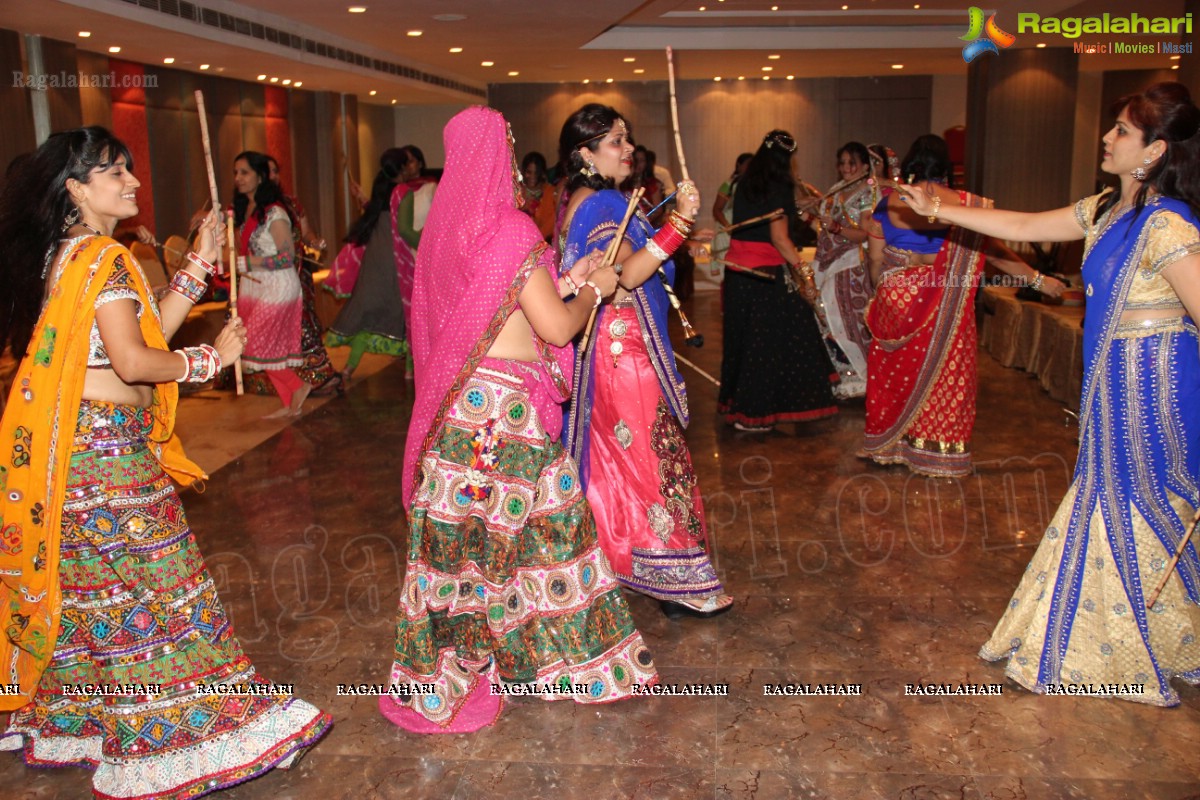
<point>844,572</point>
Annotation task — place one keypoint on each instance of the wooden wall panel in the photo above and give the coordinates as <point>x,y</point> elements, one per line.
<point>376,133</point>
<point>1028,134</point>
<point>95,103</point>
<point>168,155</point>
<point>58,58</point>
<point>305,181</point>
<point>16,134</point>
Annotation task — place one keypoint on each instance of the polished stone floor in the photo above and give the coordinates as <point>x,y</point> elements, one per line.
<point>844,572</point>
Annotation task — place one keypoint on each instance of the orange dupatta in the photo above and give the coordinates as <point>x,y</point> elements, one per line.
<point>36,436</point>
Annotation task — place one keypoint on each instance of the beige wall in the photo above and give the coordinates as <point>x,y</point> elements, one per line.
<point>720,120</point>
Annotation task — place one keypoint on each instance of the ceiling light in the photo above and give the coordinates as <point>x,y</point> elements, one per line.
<point>629,60</point>
<point>1176,66</point>
<point>287,81</point>
<point>357,9</point>
<point>587,80</point>
<point>84,34</point>
<point>262,77</point>
<point>918,5</point>
<point>373,93</point>
<point>204,66</point>
<point>773,57</point>
<point>608,80</point>
<point>766,77</point>
<point>487,63</point>
<point>393,101</point>
<point>114,49</point>
<point>717,79</point>
<point>741,77</point>
<point>791,77</point>
<point>455,49</point>
<point>274,80</point>
<point>297,84</point>
<point>1174,58</point>
<point>774,8</point>
<point>513,73</point>
<point>767,69</point>
<point>703,8</point>
<point>415,33</point>
<point>168,60</point>
<point>638,71</point>
<point>897,66</point>
<point>1041,45</point>
<point>845,8</point>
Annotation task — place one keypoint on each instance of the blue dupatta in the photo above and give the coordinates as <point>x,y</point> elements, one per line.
<point>592,227</point>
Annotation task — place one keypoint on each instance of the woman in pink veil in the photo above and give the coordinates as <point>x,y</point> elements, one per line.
<point>506,590</point>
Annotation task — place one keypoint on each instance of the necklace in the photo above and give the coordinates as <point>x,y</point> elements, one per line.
<point>83,224</point>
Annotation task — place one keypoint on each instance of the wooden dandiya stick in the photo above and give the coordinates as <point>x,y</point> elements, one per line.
<point>1183,543</point>
<point>233,295</point>
<point>610,255</point>
<point>729,265</point>
<point>770,215</point>
<point>691,335</point>
<point>208,162</point>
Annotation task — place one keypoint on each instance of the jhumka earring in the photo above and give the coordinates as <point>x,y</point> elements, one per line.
<point>589,170</point>
<point>73,216</point>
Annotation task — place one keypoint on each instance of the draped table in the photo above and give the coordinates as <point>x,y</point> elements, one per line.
<point>1044,340</point>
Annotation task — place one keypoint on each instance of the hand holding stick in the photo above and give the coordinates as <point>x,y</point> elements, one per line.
<point>610,255</point>
<point>1183,543</point>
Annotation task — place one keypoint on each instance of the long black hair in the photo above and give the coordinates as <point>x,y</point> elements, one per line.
<point>1165,111</point>
<point>33,206</point>
<point>586,127</point>
<point>928,159</point>
<point>858,150</point>
<point>770,169</point>
<point>268,191</point>
<point>391,167</point>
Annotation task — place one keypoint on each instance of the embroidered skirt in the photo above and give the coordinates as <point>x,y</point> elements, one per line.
<point>147,685</point>
<point>641,485</point>
<point>505,582</point>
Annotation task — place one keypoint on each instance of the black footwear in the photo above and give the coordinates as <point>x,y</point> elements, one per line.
<point>676,611</point>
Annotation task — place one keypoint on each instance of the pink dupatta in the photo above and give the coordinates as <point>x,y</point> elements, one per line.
<point>477,250</point>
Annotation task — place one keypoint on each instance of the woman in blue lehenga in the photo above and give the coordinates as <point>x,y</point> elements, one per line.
<point>1080,615</point>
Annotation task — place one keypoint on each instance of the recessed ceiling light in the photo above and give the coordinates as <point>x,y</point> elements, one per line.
<point>84,34</point>
<point>629,59</point>
<point>608,80</point>
<point>897,66</point>
<point>297,84</point>
<point>1176,66</point>
<point>767,69</point>
<point>587,80</point>
<point>773,57</point>
<point>1041,45</point>
<point>512,73</point>
<point>393,101</point>
<point>1175,58</point>
<point>791,77</point>
<point>373,93</point>
<point>918,5</point>
<point>114,49</point>
<point>287,81</point>
<point>703,8</point>
<point>168,60</point>
<point>845,8</point>
<point>204,66</point>
<point>357,9</point>
<point>262,77</point>
<point>455,49</point>
<point>415,33</point>
<point>638,71</point>
<point>774,8</point>
<point>487,63</point>
<point>717,79</point>
<point>274,80</point>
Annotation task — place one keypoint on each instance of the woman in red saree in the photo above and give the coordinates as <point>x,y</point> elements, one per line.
<point>921,365</point>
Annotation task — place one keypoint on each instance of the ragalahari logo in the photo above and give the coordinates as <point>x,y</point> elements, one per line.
<point>995,37</point>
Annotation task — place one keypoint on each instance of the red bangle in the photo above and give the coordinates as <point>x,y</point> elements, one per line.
<point>668,240</point>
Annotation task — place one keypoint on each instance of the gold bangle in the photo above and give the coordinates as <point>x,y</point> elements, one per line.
<point>937,206</point>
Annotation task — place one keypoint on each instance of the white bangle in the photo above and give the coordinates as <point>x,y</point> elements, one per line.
<point>656,251</point>
<point>596,289</point>
<point>571,283</point>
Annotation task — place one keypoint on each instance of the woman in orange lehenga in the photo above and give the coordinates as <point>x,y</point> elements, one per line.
<point>921,366</point>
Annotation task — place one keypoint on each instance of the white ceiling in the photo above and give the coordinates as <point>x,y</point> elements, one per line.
<point>553,41</point>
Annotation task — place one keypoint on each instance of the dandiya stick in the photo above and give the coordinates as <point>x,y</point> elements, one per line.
<point>1183,543</point>
<point>233,295</point>
<point>729,265</point>
<point>208,162</point>
<point>610,255</point>
<point>771,215</point>
<point>675,114</point>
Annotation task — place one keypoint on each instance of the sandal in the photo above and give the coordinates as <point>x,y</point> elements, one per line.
<point>711,607</point>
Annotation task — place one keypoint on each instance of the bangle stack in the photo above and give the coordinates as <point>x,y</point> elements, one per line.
<point>187,286</point>
<point>203,364</point>
<point>195,260</point>
<point>1038,280</point>
<point>670,236</point>
<point>574,287</point>
<point>596,289</point>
